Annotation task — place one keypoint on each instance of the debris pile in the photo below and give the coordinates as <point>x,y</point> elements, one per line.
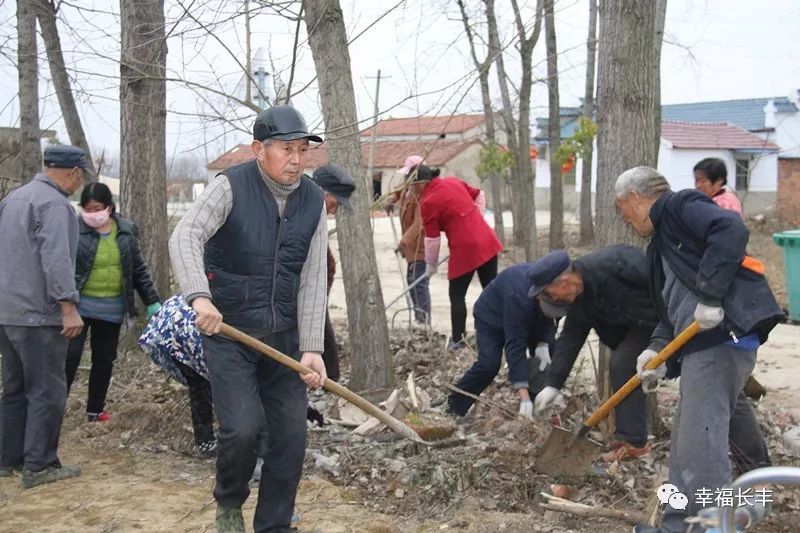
<point>485,461</point>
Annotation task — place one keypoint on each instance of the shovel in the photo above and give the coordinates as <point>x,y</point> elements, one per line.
<point>330,385</point>
<point>569,454</point>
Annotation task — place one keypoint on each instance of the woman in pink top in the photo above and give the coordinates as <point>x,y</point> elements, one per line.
<point>710,178</point>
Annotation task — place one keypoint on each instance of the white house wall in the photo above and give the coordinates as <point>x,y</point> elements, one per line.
<point>787,134</point>
<point>678,164</point>
<point>764,173</point>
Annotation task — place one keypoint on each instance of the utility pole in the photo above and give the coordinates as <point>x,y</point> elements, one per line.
<point>374,129</point>
<point>248,95</point>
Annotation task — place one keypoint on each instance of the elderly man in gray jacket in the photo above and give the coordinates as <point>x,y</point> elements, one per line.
<point>38,316</point>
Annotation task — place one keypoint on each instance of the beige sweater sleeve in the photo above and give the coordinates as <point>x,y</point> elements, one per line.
<point>312,296</point>
<point>187,243</point>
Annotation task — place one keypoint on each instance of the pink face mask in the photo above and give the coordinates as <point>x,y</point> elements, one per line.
<point>97,219</point>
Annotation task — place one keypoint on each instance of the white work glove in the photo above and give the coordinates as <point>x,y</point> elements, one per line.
<point>430,270</point>
<point>707,316</point>
<point>526,409</point>
<point>547,397</point>
<point>542,352</point>
<point>649,377</point>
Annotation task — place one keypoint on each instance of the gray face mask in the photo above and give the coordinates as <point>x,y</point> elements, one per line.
<point>552,308</point>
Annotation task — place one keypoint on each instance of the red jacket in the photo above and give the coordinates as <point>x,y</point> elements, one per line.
<point>448,205</point>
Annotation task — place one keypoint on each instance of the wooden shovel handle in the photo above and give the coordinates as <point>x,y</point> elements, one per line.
<point>669,350</point>
<point>330,385</point>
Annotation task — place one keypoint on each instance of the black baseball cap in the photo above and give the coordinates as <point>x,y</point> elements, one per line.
<point>336,181</point>
<point>282,122</point>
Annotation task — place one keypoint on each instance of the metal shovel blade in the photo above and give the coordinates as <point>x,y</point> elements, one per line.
<point>565,455</point>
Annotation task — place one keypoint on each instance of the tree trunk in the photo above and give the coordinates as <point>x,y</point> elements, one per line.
<point>625,105</point>
<point>371,363</point>
<point>554,131</point>
<point>143,130</point>
<point>484,68</point>
<point>656,423</point>
<point>525,173</point>
<point>586,222</point>
<point>497,206</point>
<point>509,125</point>
<point>660,16</point>
<point>30,150</point>
<point>46,13</point>
<point>627,101</point>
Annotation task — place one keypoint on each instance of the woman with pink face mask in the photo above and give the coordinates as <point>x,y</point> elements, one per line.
<point>108,268</point>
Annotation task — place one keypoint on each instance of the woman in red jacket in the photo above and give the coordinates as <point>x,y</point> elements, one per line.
<point>451,206</point>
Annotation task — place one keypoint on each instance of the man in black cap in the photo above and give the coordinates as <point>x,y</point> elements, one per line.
<point>252,250</point>
<point>338,185</point>
<point>607,291</point>
<point>38,315</point>
<point>508,320</point>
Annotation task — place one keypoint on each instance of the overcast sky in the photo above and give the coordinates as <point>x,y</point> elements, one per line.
<point>714,50</point>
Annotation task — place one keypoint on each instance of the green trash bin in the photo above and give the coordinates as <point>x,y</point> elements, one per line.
<point>790,242</point>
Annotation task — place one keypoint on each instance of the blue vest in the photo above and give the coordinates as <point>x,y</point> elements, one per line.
<point>254,261</point>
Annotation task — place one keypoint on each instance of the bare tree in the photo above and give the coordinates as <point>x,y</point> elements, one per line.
<point>46,14</point>
<point>586,222</point>
<point>519,130</point>
<point>625,105</point>
<point>30,156</point>
<point>484,68</point>
<point>189,165</point>
<point>143,129</point>
<point>554,130</point>
<point>371,363</point>
<point>627,81</point>
<point>509,124</point>
<point>525,173</point>
<point>658,39</point>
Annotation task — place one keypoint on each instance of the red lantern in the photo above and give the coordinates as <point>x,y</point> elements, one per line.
<point>568,165</point>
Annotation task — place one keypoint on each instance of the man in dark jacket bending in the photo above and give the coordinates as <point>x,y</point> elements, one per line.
<point>606,291</point>
<point>698,272</point>
<point>508,319</point>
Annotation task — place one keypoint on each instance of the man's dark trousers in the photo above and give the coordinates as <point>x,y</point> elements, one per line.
<point>34,394</point>
<point>630,415</point>
<point>481,374</point>
<point>245,385</point>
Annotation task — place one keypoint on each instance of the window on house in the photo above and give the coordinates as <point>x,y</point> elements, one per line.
<point>742,174</point>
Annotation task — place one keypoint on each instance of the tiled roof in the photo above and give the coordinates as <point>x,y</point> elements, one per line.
<point>238,154</point>
<point>747,113</point>
<point>388,154</point>
<point>434,125</point>
<point>707,135</point>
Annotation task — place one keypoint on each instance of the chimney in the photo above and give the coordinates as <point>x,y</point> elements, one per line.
<point>769,114</point>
